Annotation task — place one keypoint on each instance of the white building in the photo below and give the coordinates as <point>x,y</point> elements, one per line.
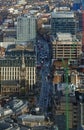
<point>26,28</point>
<point>21,2</point>
<point>31,120</point>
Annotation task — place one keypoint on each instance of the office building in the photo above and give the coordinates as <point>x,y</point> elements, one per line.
<point>64,22</point>
<point>26,28</point>
<point>65,46</point>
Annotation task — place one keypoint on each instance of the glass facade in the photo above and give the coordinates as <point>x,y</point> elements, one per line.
<point>63,25</point>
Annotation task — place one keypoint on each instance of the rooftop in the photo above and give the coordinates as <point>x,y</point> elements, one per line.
<point>64,36</point>
<point>4,125</point>
<point>62,14</point>
<point>31,118</point>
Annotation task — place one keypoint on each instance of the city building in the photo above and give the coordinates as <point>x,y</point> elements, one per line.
<point>81,72</point>
<point>65,46</point>
<point>5,112</point>
<point>8,126</point>
<point>1,36</point>
<point>32,120</point>
<point>26,28</point>
<point>80,90</point>
<point>63,21</point>
<point>76,5</point>
<point>18,69</point>
<point>79,18</point>
<point>9,35</point>
<point>66,50</point>
<point>18,106</point>
<point>21,2</point>
<point>61,112</point>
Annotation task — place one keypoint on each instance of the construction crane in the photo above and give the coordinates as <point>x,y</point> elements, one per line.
<point>66,80</point>
<point>67,98</point>
<point>82,1</point>
<point>66,69</point>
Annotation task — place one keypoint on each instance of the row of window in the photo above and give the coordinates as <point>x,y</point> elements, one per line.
<point>16,77</point>
<point>15,68</point>
<point>10,89</point>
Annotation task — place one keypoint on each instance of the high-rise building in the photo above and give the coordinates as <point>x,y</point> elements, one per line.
<point>26,28</point>
<point>64,22</point>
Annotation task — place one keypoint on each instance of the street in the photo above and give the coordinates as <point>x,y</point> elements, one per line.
<point>43,59</point>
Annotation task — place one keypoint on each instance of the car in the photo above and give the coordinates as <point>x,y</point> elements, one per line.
<point>72,94</point>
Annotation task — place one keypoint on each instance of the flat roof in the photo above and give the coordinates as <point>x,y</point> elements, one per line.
<point>64,36</point>
<point>62,14</point>
<point>31,118</point>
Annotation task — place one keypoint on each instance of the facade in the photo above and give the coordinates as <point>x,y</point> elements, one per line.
<point>17,70</point>
<point>79,17</point>
<point>21,2</point>
<point>9,35</point>
<point>73,113</point>
<point>80,89</point>
<point>81,72</point>
<point>76,5</point>
<point>1,36</point>
<point>26,28</point>
<point>32,120</point>
<point>66,51</point>
<point>7,126</point>
<point>82,113</point>
<point>64,22</point>
<point>65,47</point>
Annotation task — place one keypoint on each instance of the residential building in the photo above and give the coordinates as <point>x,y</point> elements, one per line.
<point>18,70</point>
<point>26,28</point>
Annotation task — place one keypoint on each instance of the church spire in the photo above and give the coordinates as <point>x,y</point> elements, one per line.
<point>23,60</point>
